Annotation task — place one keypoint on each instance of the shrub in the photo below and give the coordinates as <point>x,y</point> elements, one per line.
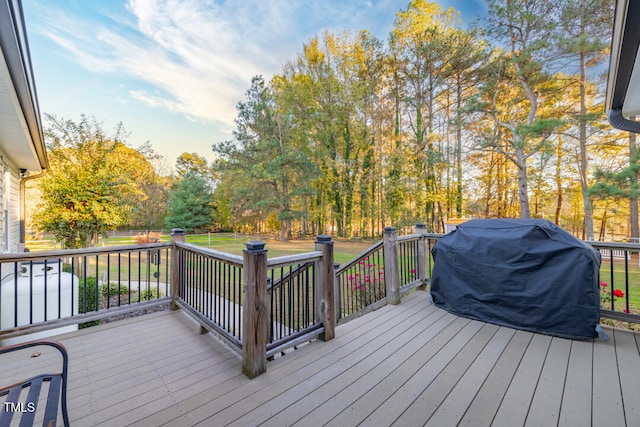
<point>112,289</point>
<point>87,299</point>
<point>151,237</point>
<point>149,294</point>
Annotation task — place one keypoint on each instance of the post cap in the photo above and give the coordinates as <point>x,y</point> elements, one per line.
<point>421,225</point>
<point>176,231</point>
<point>323,238</point>
<point>255,245</point>
<point>389,229</point>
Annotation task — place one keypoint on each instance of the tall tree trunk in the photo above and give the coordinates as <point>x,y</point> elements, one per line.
<point>523,186</point>
<point>459,150</point>
<point>559,194</point>
<point>583,167</point>
<point>489,188</point>
<point>633,197</point>
<point>603,223</point>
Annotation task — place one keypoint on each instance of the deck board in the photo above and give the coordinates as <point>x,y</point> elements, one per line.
<point>411,364</point>
<point>421,376</point>
<point>314,375</point>
<point>458,401</point>
<point>547,400</point>
<point>629,361</point>
<point>368,399</point>
<point>426,404</point>
<point>576,400</point>
<point>485,405</point>
<point>517,401</point>
<point>294,406</point>
<point>607,403</point>
<point>340,393</point>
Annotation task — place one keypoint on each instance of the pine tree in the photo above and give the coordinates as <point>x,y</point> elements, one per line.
<point>190,205</point>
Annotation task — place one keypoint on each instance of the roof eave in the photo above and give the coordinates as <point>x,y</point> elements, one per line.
<point>15,52</point>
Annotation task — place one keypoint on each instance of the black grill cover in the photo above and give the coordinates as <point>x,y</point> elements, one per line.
<point>525,274</point>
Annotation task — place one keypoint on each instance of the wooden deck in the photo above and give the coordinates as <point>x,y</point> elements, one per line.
<point>406,365</point>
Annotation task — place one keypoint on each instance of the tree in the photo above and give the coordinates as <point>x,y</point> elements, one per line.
<point>633,196</point>
<point>585,27</point>
<point>91,186</point>
<point>150,208</point>
<point>524,27</point>
<point>468,54</point>
<point>190,204</point>
<point>420,45</point>
<point>333,79</point>
<point>270,171</point>
<point>195,163</point>
<point>355,135</point>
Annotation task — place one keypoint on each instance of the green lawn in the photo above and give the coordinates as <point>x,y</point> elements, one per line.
<point>344,251</point>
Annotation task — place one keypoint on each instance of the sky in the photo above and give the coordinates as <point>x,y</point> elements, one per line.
<point>173,71</point>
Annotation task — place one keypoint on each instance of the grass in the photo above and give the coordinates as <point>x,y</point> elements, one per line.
<point>344,251</point>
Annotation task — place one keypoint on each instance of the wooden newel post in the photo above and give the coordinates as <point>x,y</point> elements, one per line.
<point>177,235</point>
<point>255,310</point>
<point>423,253</point>
<point>325,281</point>
<point>391,270</point>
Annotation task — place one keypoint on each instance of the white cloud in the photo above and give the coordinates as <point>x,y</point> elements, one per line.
<point>198,56</point>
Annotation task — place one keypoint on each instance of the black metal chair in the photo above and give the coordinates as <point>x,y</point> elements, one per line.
<point>56,397</point>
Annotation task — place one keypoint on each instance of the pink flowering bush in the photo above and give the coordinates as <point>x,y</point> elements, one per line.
<point>366,282</point>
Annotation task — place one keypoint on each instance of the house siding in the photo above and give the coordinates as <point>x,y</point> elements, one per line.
<point>14,210</point>
<point>9,204</point>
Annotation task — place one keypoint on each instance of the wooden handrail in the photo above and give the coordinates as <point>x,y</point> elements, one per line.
<point>66,253</point>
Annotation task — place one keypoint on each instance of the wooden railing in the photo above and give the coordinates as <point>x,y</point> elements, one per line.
<point>40,291</point>
<point>260,306</point>
<point>619,280</point>
<point>381,274</point>
<point>208,285</point>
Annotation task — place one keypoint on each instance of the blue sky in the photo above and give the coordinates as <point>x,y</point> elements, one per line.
<point>172,71</point>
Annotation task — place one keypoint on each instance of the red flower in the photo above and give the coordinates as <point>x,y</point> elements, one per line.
<point>603,284</point>
<point>618,293</point>
<point>413,271</point>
